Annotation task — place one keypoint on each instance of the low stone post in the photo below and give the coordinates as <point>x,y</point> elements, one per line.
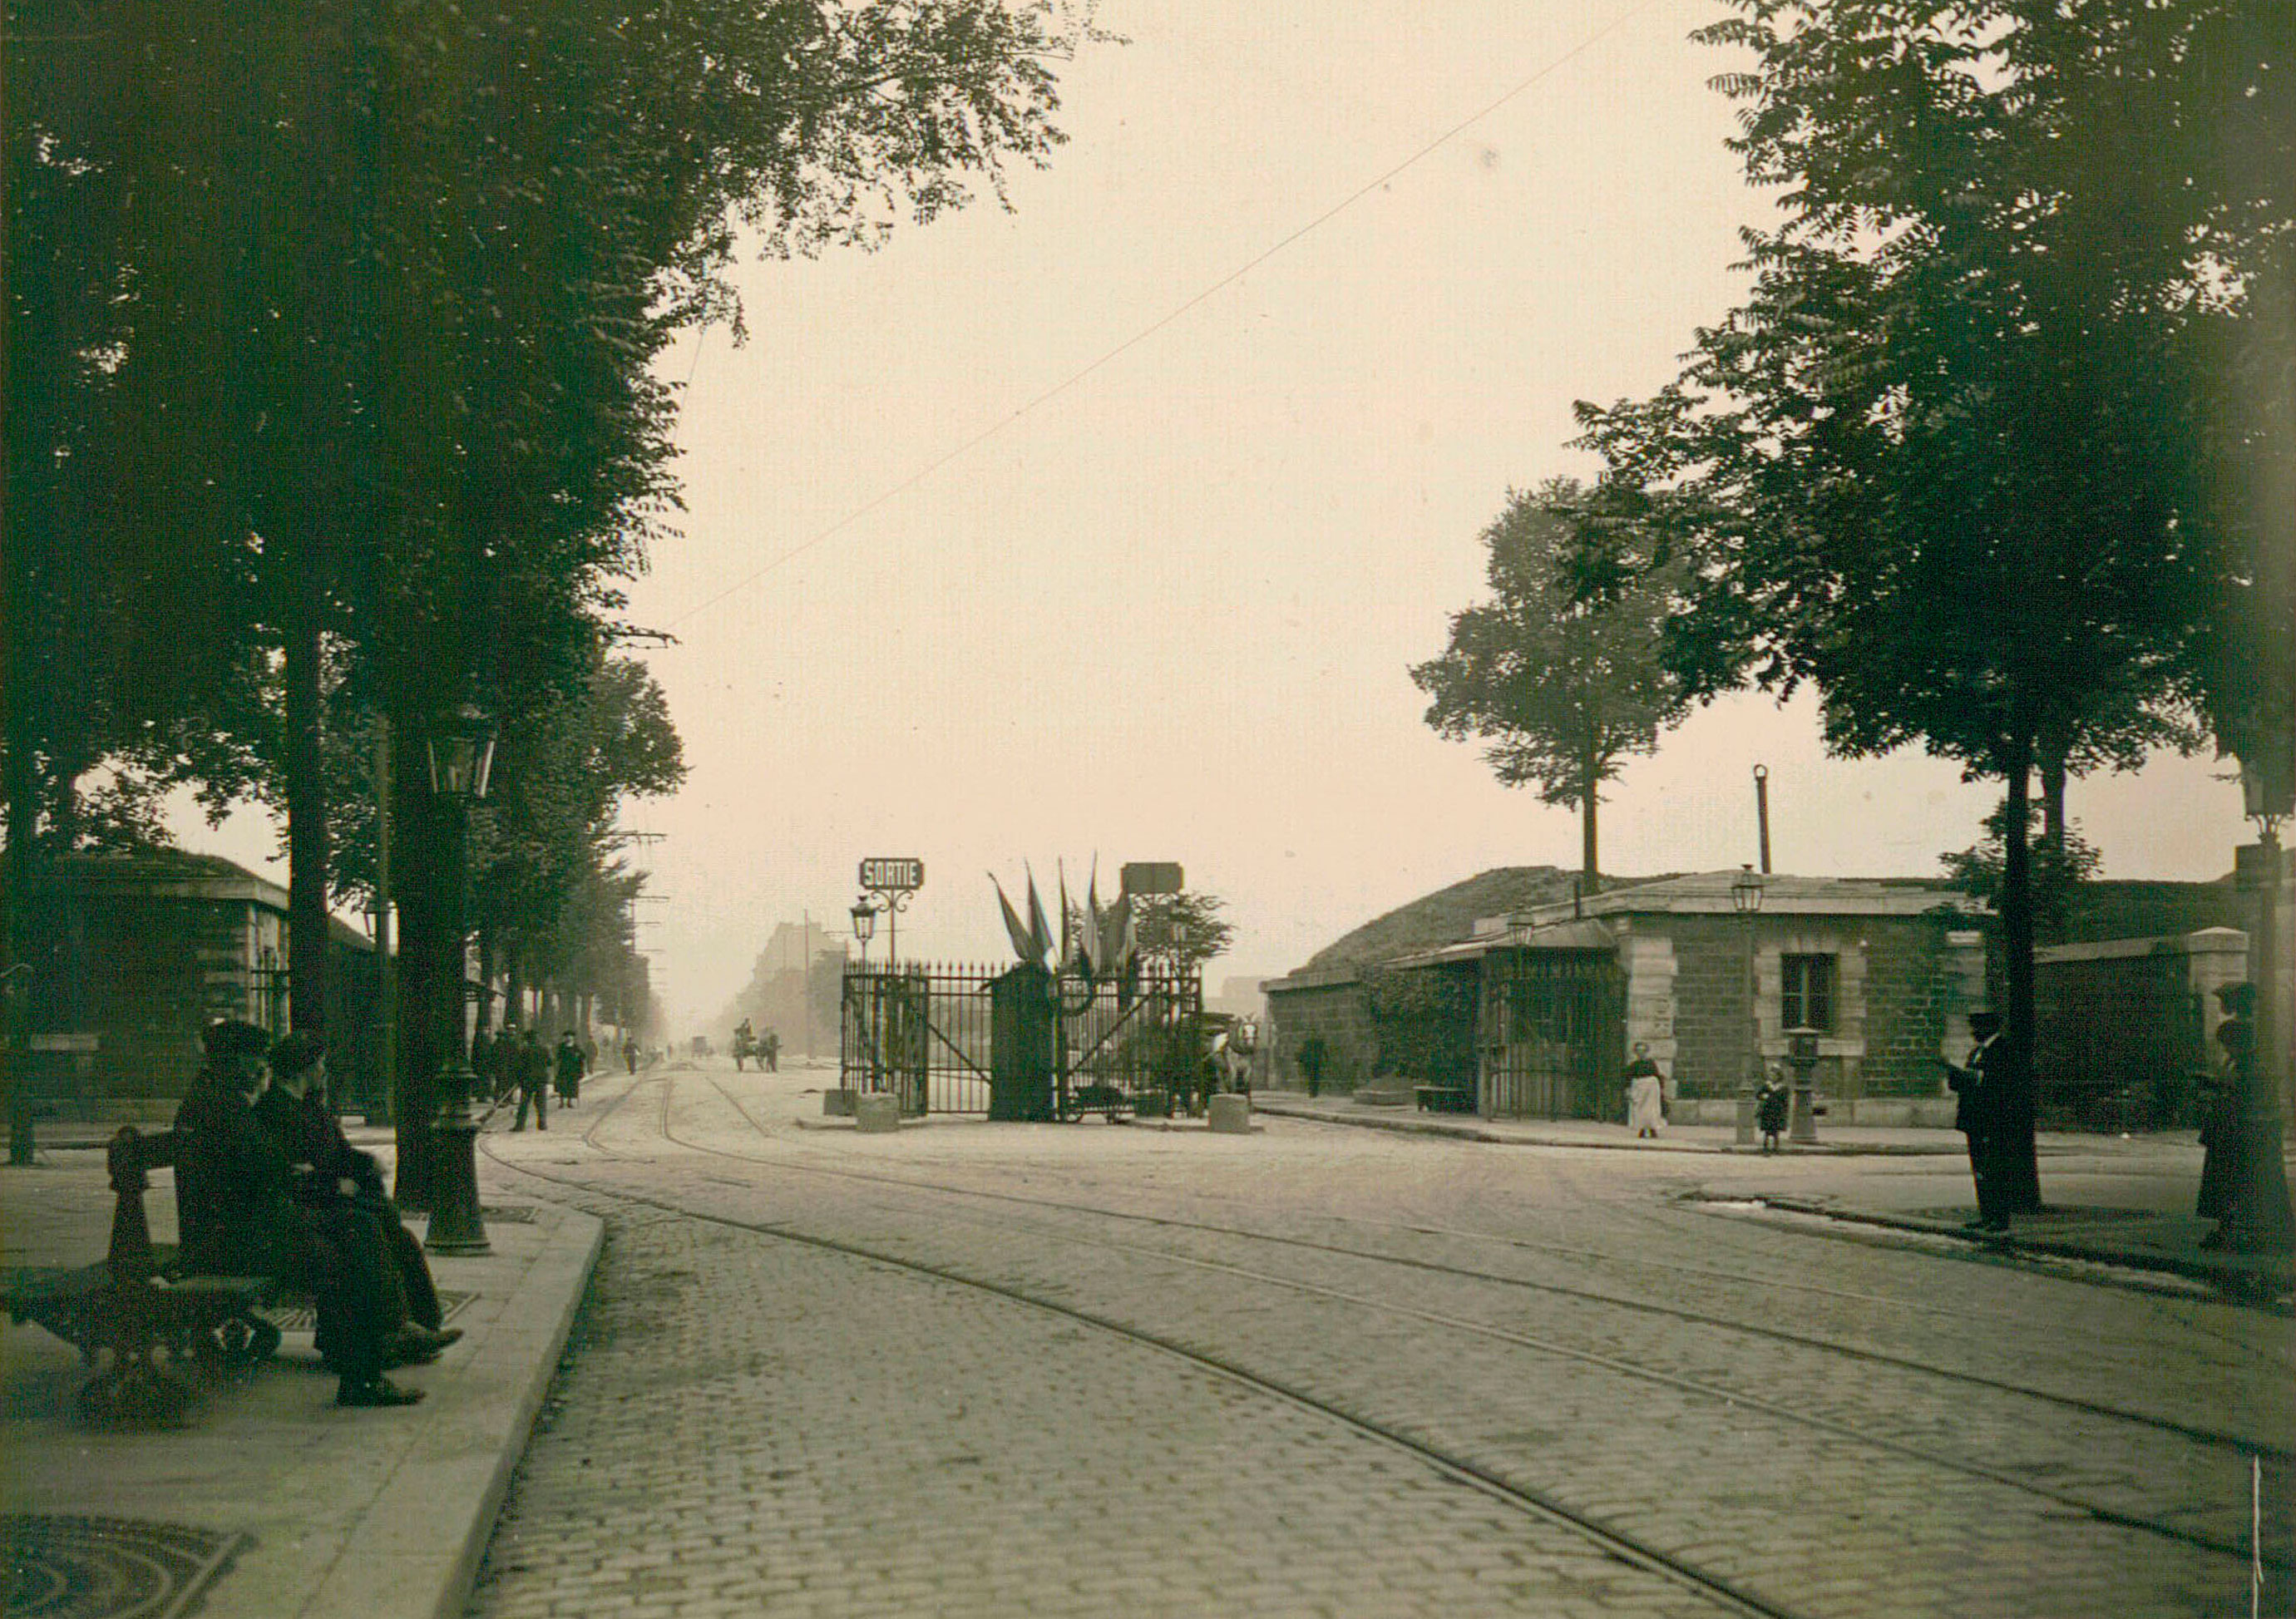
<point>877,1113</point>
<point>1231,1115</point>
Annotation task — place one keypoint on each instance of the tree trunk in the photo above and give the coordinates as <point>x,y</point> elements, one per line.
<point>2016,1160</point>
<point>486,978</point>
<point>16,891</point>
<point>414,1093</point>
<point>2053,803</point>
<point>2053,893</point>
<point>307,803</point>
<point>1590,876</point>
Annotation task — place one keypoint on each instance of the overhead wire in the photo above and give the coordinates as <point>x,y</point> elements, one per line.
<point>1211,289</point>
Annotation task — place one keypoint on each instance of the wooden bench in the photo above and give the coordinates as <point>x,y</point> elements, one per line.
<point>1443,1099</point>
<point>133,1305</point>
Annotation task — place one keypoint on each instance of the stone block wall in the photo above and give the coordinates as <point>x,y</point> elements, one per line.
<point>1899,984</point>
<point>1338,1010</point>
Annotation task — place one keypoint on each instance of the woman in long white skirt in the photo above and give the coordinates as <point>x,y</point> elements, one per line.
<point>1645,1095</point>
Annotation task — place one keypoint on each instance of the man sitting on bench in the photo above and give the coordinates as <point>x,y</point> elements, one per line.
<point>237,1217</point>
<point>332,1173</point>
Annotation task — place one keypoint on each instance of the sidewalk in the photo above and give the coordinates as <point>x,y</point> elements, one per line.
<point>2119,1202</point>
<point>269,1501</point>
<point>1852,1141</point>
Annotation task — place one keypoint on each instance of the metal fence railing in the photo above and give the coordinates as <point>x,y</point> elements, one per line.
<point>927,1033</point>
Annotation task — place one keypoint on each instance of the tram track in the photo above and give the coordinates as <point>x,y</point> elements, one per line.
<point>1722,1594</point>
<point>2239,1444</point>
<point>1735,1398</point>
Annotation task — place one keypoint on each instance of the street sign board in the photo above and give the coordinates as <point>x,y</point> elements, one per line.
<point>1152,876</point>
<point>892,876</point>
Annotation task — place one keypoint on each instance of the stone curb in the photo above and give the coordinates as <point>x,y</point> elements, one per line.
<point>2233,1268</point>
<point>1412,1125</point>
<point>413,1553</point>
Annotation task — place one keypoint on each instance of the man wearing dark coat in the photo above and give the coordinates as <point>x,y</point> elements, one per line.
<point>2244,1178</point>
<point>237,1215</point>
<point>292,1109</point>
<point>529,1068</point>
<point>1976,1114</point>
<point>482,1063</point>
<point>570,1068</point>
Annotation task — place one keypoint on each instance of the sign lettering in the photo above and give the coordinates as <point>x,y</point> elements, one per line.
<point>890,876</point>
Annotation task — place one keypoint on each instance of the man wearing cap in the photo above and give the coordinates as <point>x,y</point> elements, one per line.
<point>238,1216</point>
<point>293,1110</point>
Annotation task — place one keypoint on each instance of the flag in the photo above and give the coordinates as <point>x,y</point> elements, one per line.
<point>1013,929</point>
<point>1116,936</point>
<point>1039,930</point>
<point>1068,929</point>
<point>1088,933</point>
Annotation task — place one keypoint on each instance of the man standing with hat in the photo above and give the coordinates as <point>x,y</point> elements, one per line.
<point>1977,1116</point>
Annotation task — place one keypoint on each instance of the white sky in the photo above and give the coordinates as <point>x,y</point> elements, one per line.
<point>1167,613</point>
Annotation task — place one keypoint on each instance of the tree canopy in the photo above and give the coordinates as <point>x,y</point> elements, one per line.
<point>1952,459</point>
<point>1560,678</point>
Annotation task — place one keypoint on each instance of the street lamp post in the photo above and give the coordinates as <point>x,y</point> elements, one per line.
<point>2261,1221</point>
<point>461,749</point>
<point>1746,900</point>
<point>864,926</point>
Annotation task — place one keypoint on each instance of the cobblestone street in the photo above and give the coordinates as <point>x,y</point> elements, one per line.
<point>988,1370</point>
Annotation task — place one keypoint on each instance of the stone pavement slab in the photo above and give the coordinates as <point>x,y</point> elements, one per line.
<point>2123,1202</point>
<point>1854,1141</point>
<point>284,1504</point>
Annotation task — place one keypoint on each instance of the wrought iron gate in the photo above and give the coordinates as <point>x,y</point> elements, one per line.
<point>927,1035</point>
<point>1551,1034</point>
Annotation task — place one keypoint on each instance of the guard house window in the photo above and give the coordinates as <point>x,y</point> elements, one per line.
<point>1805,1000</point>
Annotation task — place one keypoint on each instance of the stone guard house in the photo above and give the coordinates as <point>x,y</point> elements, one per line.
<point>139,952</point>
<point>1542,1005</point>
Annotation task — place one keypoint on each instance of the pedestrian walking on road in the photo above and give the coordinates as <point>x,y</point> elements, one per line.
<point>630,1055</point>
<point>1645,1095</point>
<point>1976,1114</point>
<point>529,1066</point>
<point>570,1068</point>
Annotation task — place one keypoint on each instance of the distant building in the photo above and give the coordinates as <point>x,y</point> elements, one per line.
<point>1534,1012</point>
<point>135,954</point>
<point>793,988</point>
<point>1239,997</point>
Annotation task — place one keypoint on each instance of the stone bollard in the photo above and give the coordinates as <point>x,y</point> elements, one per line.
<point>877,1113</point>
<point>837,1102</point>
<point>1231,1115</point>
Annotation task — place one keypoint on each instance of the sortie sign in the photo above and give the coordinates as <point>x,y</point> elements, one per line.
<point>892,876</point>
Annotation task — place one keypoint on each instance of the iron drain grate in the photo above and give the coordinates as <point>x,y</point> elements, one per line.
<point>109,1567</point>
<point>304,1318</point>
<point>513,1213</point>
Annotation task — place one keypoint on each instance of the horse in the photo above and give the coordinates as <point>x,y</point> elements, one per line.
<point>1232,1053</point>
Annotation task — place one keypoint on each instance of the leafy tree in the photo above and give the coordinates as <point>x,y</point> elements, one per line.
<point>2060,865</point>
<point>1181,931</point>
<point>354,332</point>
<point>1941,462</point>
<point>1561,679</point>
